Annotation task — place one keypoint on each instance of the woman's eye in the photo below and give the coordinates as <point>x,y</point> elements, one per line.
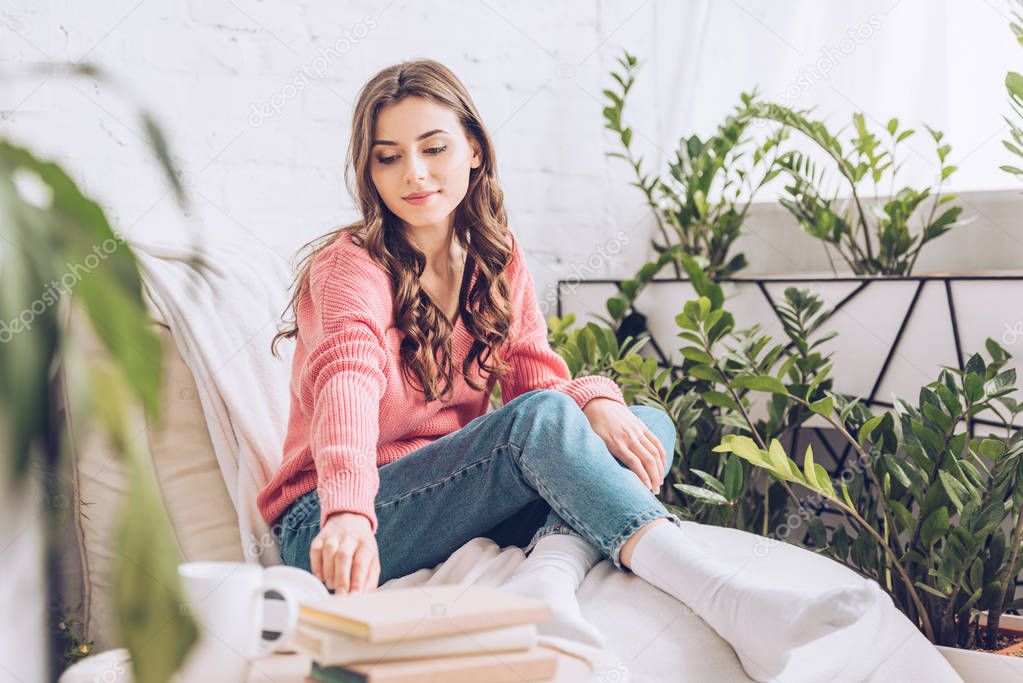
<point>392,159</point>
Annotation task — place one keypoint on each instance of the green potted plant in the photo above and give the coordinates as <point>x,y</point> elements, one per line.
<point>50,223</point>
<point>701,200</point>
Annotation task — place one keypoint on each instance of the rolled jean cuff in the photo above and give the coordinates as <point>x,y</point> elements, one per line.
<point>547,530</point>
<point>613,550</point>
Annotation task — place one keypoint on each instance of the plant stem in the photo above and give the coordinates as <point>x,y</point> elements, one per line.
<point>857,253</point>
<point>1008,584</point>
<point>924,619</point>
<point>804,126</point>
<point>745,416</point>
<point>891,554</point>
<point>863,219</point>
<point>885,512</point>
<point>831,261</point>
<point>652,203</point>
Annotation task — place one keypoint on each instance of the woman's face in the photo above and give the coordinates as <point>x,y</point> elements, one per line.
<point>420,147</point>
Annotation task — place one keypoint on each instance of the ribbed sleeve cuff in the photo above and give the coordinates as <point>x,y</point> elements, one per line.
<point>352,491</point>
<point>585,389</point>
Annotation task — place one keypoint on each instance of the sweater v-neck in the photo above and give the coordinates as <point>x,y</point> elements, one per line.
<point>460,294</point>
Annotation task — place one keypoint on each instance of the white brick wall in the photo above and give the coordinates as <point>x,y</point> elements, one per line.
<point>204,67</point>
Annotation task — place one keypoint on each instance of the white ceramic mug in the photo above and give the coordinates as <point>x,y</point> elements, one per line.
<point>228,601</point>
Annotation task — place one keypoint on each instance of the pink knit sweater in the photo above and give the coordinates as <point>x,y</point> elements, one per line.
<point>351,409</point>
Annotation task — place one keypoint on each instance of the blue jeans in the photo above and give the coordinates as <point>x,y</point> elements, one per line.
<point>530,468</point>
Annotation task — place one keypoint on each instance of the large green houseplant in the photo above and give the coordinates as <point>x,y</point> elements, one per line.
<point>50,225</point>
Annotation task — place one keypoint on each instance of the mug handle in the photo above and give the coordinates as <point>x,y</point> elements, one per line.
<point>293,585</point>
<point>264,646</point>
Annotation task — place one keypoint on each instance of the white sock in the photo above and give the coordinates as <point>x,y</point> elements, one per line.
<point>552,572</point>
<point>762,618</point>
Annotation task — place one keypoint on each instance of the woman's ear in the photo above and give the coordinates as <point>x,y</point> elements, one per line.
<point>477,155</point>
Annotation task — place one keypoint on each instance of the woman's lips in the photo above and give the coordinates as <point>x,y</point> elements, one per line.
<point>421,199</point>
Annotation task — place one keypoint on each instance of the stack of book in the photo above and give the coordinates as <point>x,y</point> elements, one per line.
<point>450,633</point>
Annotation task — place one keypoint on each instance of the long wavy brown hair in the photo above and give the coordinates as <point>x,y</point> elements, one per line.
<point>480,226</point>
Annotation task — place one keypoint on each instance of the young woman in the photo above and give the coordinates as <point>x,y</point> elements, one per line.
<point>403,322</point>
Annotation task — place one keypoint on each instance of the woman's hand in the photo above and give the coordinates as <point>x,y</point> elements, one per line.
<point>628,439</point>
<point>344,554</point>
